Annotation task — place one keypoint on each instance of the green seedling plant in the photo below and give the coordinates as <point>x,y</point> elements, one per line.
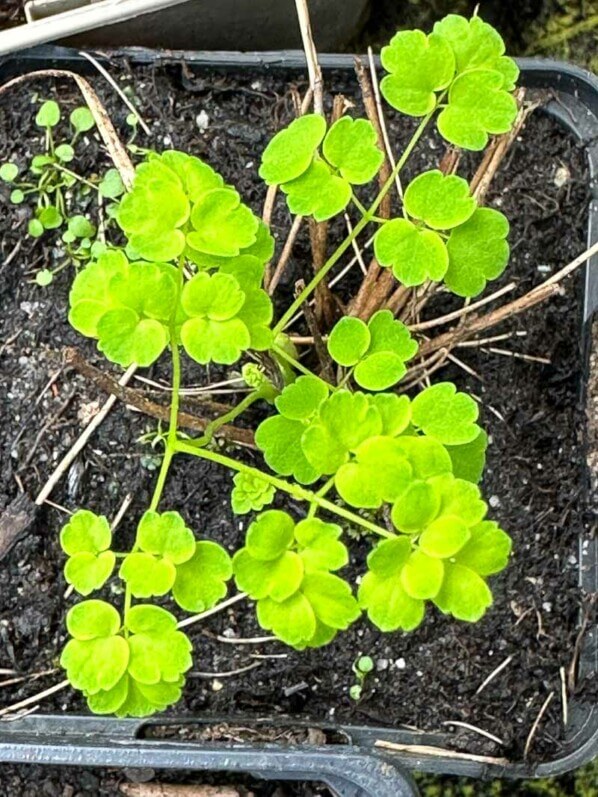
<point>359,452</point>
<point>48,182</point>
<point>362,667</point>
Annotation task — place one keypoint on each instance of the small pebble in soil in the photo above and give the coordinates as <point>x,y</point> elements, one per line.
<point>203,120</point>
<point>400,664</point>
<point>561,176</point>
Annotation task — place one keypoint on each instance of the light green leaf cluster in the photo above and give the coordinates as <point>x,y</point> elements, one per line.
<point>136,309</point>
<point>475,249</point>
<point>163,542</point>
<point>126,306</point>
<point>167,557</point>
<point>315,433</point>
<point>226,313</point>
<point>288,570</point>
<point>377,351</point>
<point>463,62</point>
<point>318,183</point>
<point>250,493</point>
<point>86,539</point>
<point>135,668</point>
<point>447,563</point>
<point>178,203</point>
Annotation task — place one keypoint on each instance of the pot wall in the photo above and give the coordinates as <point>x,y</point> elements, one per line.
<point>222,25</point>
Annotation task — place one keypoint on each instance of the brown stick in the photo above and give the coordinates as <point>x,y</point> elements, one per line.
<point>476,324</point>
<point>130,396</point>
<point>324,358</point>
<point>369,291</point>
<point>497,150</point>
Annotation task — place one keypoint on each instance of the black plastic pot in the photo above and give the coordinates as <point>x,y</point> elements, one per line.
<point>225,25</point>
<point>350,764</point>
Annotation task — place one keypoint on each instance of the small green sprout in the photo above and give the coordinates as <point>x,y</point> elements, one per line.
<point>399,472</point>
<point>362,667</point>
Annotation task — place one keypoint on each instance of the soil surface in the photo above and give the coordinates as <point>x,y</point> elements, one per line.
<point>536,478</point>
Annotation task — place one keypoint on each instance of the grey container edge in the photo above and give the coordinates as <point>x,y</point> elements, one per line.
<point>225,25</point>
<point>357,767</point>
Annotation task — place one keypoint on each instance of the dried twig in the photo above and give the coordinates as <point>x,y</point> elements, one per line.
<point>495,153</point>
<point>538,294</point>
<point>534,728</point>
<point>226,673</point>
<point>285,254</point>
<point>462,311</point>
<point>135,399</point>
<point>474,729</point>
<point>174,790</point>
<point>439,752</point>
<point>493,674</point>
<point>214,610</point>
<point>104,72</point>
<point>34,699</point>
<point>313,67</point>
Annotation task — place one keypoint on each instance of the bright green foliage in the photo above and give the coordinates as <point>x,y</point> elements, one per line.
<point>349,341</point>
<point>48,114</point>
<point>65,153</point>
<point>478,251</point>
<point>351,147</point>
<point>250,493</point>
<point>8,172</point>
<point>449,551</point>
<point>321,186</point>
<point>222,225</point>
<point>111,185</point>
<point>318,192</point>
<point>381,592</point>
<point>228,313</point>
<point>201,580</point>
<point>86,539</point>
<point>163,542</point>
<point>126,306</point>
<point>82,120</point>
<point>478,106</point>
<point>419,66</point>
<point>35,228</point>
<point>469,458</point>
<point>287,570</point>
<point>343,422</point>
<point>415,254</point>
<point>135,674</point>
<point>279,437</point>
<point>379,472</point>
<point>50,217</point>
<point>290,153</point>
<point>475,45</point>
<point>465,58</point>
<point>177,201</point>
<point>441,201</point>
<point>378,350</point>
<point>81,227</point>
<point>443,413</point>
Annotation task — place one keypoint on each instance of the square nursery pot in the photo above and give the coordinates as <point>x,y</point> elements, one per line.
<point>203,24</point>
<point>349,763</point>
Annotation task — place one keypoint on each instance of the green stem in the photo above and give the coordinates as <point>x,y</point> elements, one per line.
<point>280,352</point>
<point>76,176</point>
<point>296,490</point>
<point>359,227</point>
<point>214,425</point>
<point>321,492</point>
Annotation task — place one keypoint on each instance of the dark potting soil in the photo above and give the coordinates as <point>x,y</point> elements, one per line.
<point>535,482</point>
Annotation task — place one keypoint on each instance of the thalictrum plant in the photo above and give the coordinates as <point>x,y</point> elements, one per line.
<point>357,451</point>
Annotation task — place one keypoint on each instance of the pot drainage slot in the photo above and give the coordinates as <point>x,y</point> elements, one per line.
<point>239,733</point>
